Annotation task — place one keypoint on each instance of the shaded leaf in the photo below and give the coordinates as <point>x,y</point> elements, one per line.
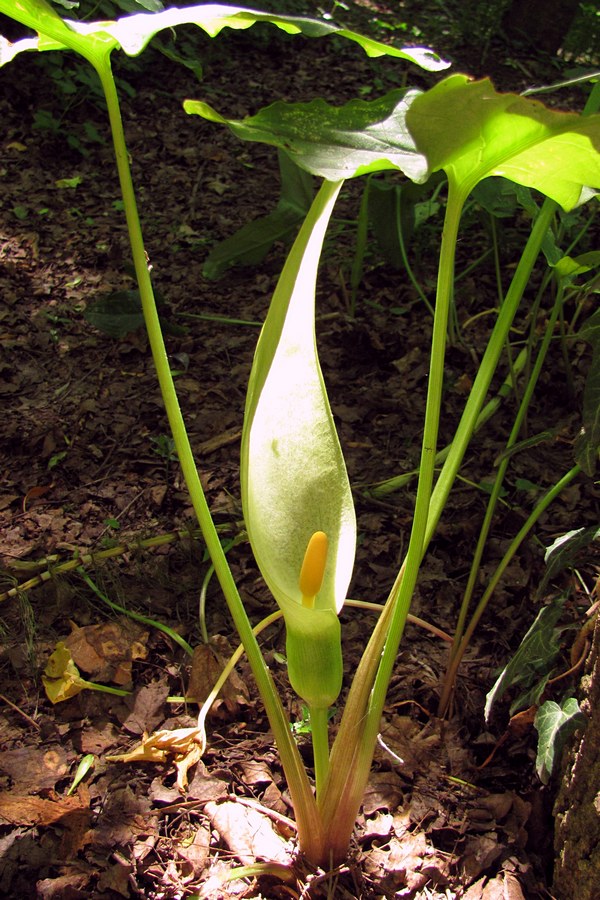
<point>563,552</point>
<point>120,313</point>
<point>471,131</point>
<point>555,724</point>
<point>252,242</point>
<point>393,206</point>
<point>117,314</point>
<point>533,658</point>
<point>501,197</point>
<point>333,142</point>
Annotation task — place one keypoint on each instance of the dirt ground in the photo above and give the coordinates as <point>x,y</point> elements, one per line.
<point>86,466</point>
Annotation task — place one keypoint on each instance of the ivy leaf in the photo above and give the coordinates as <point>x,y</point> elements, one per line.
<point>533,659</point>
<point>334,142</point>
<point>555,724</point>
<point>471,131</point>
<point>563,552</point>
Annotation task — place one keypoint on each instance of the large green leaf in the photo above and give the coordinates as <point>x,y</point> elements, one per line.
<point>471,131</point>
<point>293,475</point>
<point>132,33</point>
<point>54,33</point>
<point>334,142</point>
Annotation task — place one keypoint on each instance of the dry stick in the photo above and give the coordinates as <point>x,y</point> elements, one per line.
<point>20,711</point>
<point>89,559</point>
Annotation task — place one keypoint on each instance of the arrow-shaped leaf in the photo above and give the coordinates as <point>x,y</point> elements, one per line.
<point>533,659</point>
<point>334,142</point>
<point>253,241</point>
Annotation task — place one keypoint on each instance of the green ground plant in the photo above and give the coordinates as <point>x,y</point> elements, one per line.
<point>296,495</point>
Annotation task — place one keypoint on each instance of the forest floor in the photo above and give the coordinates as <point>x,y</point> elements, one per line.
<point>86,465</point>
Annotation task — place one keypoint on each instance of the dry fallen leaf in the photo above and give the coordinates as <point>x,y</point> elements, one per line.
<point>105,652</point>
<point>208,662</point>
<point>247,832</point>
<point>28,810</point>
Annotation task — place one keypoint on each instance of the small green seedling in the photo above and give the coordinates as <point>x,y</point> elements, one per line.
<point>86,765</point>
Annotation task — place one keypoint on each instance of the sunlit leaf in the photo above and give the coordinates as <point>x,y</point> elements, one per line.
<point>555,724</point>
<point>471,131</point>
<point>132,33</point>
<point>334,142</point>
<point>86,765</point>
<point>571,267</point>
<point>61,678</point>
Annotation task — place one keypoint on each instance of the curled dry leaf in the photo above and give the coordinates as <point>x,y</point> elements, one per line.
<point>184,745</point>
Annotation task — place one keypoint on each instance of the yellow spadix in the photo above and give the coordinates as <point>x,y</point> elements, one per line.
<point>313,568</point>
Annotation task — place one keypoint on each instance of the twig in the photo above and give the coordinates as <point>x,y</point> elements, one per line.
<point>20,711</point>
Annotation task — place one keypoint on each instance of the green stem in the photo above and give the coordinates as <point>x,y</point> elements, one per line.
<point>418,538</point>
<point>136,616</point>
<point>457,644</point>
<point>104,688</point>
<point>506,559</point>
<point>488,367</point>
<point>309,829</point>
<point>319,719</point>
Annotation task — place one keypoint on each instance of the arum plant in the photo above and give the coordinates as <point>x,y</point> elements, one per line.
<point>320,577</point>
<point>295,490</point>
<point>471,132</point>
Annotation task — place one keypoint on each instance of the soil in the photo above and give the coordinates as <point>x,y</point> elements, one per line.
<point>93,504</point>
